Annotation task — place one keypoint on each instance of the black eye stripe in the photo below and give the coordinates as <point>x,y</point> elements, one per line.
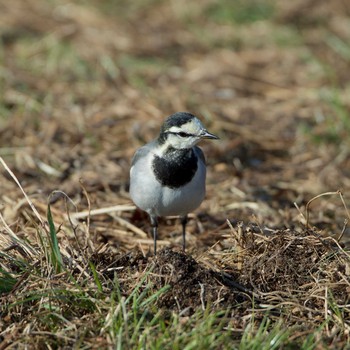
<point>181,134</point>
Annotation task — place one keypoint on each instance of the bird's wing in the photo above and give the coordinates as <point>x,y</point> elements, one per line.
<point>141,152</point>
<point>200,154</point>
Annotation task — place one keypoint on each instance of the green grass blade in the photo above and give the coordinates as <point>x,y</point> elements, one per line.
<point>55,257</point>
<point>96,279</point>
<point>7,281</point>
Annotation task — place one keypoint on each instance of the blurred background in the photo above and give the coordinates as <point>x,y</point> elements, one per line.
<point>85,83</point>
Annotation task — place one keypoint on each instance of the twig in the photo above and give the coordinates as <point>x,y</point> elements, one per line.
<point>129,225</point>
<point>25,195</point>
<point>339,193</point>
<point>202,295</point>
<point>301,214</point>
<point>27,248</point>
<point>343,230</point>
<point>88,202</point>
<point>313,199</point>
<point>228,280</point>
<point>88,239</point>
<point>347,213</point>
<point>107,210</point>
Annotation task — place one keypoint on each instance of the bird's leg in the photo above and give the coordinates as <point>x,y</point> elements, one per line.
<point>184,220</point>
<point>154,224</point>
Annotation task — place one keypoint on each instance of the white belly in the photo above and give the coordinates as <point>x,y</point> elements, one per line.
<point>148,194</point>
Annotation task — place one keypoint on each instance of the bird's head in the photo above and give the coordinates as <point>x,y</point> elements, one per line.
<point>183,130</point>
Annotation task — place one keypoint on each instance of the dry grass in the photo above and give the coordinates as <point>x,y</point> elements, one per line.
<point>86,83</point>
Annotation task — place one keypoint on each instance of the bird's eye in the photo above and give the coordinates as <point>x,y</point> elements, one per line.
<point>182,134</point>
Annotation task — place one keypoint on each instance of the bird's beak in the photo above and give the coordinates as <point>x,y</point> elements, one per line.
<point>207,135</point>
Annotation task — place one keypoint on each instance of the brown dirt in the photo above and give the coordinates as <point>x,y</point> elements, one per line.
<point>282,265</point>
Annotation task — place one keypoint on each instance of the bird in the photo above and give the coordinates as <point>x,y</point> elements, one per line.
<point>167,175</point>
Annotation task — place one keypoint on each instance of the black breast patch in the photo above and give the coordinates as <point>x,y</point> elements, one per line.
<point>176,168</point>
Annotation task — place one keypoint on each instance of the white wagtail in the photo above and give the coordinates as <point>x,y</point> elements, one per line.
<point>167,175</point>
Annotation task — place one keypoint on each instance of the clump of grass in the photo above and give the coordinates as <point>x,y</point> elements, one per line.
<point>265,337</point>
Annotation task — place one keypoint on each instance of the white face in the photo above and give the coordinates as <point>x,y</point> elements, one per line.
<point>185,136</point>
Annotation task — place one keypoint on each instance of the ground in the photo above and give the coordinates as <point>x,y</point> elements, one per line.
<point>84,84</point>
